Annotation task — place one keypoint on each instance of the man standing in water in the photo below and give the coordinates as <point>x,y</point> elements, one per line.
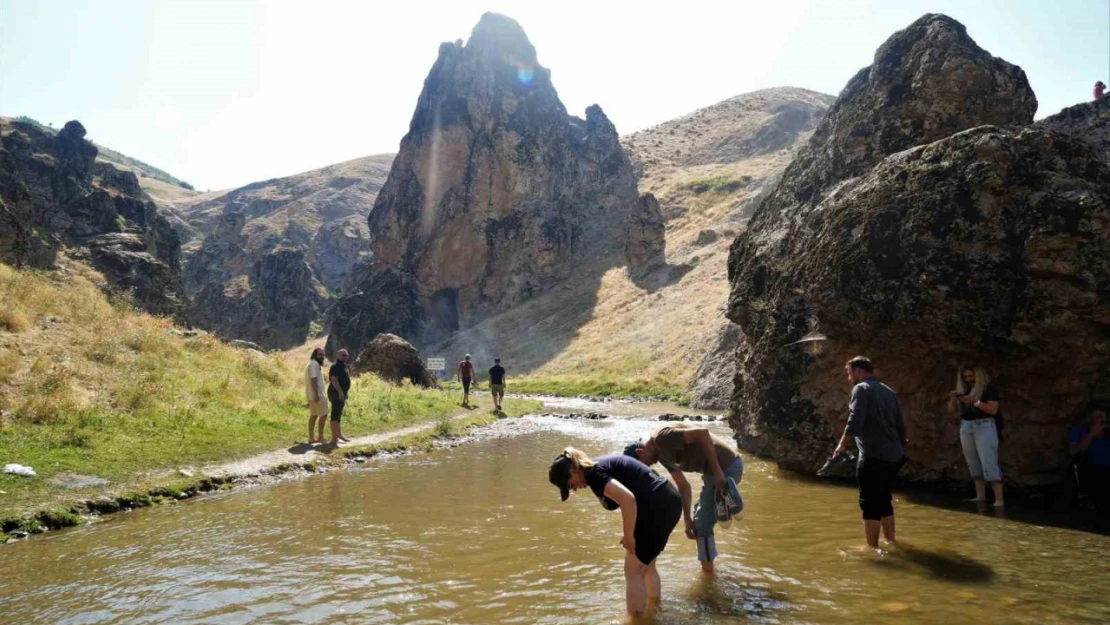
<point>466,376</point>
<point>497,383</point>
<point>686,447</point>
<point>337,394</point>
<point>314,389</point>
<point>875,421</point>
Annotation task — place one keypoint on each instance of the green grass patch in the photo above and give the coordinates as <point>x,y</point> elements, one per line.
<point>600,385</point>
<point>717,184</point>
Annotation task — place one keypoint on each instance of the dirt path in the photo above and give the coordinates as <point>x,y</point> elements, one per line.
<point>303,452</point>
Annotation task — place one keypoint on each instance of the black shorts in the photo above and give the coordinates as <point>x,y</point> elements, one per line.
<point>656,518</point>
<point>466,385</point>
<point>336,405</point>
<point>876,487</point>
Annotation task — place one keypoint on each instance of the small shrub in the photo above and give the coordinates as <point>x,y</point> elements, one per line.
<point>14,321</point>
<point>444,428</point>
<point>10,363</point>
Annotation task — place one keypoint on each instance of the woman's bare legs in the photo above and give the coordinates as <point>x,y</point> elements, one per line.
<point>998,501</point>
<point>636,588</point>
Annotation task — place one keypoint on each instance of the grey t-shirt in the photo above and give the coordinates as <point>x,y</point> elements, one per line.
<point>875,420</point>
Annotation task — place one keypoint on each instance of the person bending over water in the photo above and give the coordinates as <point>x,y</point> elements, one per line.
<point>978,401</point>
<point>686,447</point>
<point>650,508</point>
<point>875,421</point>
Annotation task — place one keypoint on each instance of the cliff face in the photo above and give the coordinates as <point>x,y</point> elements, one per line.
<point>54,196</point>
<point>265,257</point>
<point>497,194</point>
<point>924,225</point>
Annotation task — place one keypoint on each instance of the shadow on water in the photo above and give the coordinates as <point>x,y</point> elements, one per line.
<point>939,563</point>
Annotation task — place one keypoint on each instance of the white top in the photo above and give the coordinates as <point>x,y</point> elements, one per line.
<point>314,372</point>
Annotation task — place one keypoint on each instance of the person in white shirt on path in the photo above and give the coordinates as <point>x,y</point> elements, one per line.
<point>316,393</point>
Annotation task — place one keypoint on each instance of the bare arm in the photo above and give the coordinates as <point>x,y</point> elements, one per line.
<point>702,438</point>
<point>627,501</point>
<point>686,492</point>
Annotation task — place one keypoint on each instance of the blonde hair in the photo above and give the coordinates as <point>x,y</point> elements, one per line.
<point>578,458</point>
<point>981,381</point>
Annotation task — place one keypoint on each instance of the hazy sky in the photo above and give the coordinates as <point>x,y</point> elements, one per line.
<point>226,92</point>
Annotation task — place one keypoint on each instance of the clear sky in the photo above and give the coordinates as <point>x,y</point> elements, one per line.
<point>226,92</point>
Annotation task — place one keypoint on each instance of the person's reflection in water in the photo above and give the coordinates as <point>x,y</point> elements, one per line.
<point>939,563</point>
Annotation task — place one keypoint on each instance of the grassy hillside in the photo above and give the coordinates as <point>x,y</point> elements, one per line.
<point>612,333</point>
<point>92,387</point>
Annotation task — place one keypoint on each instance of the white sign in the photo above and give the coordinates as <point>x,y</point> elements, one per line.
<point>437,364</point>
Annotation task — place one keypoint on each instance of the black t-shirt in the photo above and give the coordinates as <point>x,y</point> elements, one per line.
<point>633,474</point>
<point>969,412</point>
<point>497,374</point>
<point>339,370</point>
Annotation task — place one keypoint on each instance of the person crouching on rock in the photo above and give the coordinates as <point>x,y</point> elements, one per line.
<point>875,421</point>
<point>337,394</point>
<point>683,447</point>
<point>314,389</point>
<point>979,419</point>
<point>650,508</point>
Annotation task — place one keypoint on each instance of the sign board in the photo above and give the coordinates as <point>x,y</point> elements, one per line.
<point>437,364</point>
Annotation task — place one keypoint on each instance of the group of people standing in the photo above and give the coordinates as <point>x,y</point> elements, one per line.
<point>321,392</point>
<point>467,377</point>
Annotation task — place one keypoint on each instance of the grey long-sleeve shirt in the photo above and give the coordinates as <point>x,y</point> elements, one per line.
<point>875,420</point>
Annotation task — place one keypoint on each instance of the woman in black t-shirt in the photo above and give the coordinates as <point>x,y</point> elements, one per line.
<point>650,508</point>
<point>978,403</point>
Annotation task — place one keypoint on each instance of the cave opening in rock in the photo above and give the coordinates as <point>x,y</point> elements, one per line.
<point>445,310</point>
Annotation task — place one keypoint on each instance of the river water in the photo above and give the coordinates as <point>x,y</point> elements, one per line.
<point>475,534</point>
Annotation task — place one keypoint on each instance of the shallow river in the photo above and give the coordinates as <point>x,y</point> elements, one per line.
<point>475,534</point>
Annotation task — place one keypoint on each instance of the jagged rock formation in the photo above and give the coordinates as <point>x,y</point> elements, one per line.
<point>646,238</point>
<point>394,360</point>
<point>497,194</point>
<point>264,258</point>
<point>984,243</point>
<point>55,196</point>
<point>712,387</point>
<point>1089,122</point>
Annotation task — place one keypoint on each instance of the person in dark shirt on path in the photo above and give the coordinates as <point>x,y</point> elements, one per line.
<point>650,508</point>
<point>497,383</point>
<point>978,403</point>
<point>1089,446</point>
<point>466,376</point>
<point>688,447</point>
<point>875,421</point>
<point>338,388</point>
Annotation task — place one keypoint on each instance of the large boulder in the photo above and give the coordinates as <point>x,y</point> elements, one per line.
<point>711,388</point>
<point>496,194</point>
<point>983,244</point>
<point>645,239</point>
<point>55,196</point>
<point>395,360</point>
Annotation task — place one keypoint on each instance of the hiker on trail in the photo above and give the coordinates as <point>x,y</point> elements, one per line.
<point>683,447</point>
<point>1100,89</point>
<point>980,419</point>
<point>650,508</point>
<point>315,391</point>
<point>1089,446</point>
<point>497,383</point>
<point>337,394</point>
<point>466,376</point>
<point>875,421</point>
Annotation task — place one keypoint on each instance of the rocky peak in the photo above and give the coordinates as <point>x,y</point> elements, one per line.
<point>927,82</point>
<point>496,195</point>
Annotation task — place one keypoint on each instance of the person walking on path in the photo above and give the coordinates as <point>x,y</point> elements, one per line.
<point>685,447</point>
<point>466,376</point>
<point>497,383</point>
<point>875,421</point>
<point>650,508</point>
<point>1100,89</point>
<point>978,403</point>
<point>315,391</point>
<point>337,394</point>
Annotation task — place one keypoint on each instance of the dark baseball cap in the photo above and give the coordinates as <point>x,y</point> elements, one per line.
<point>630,449</point>
<point>559,474</point>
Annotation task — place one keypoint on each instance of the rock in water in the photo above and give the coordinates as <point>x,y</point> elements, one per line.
<point>496,194</point>
<point>909,231</point>
<point>54,195</point>
<point>393,359</point>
